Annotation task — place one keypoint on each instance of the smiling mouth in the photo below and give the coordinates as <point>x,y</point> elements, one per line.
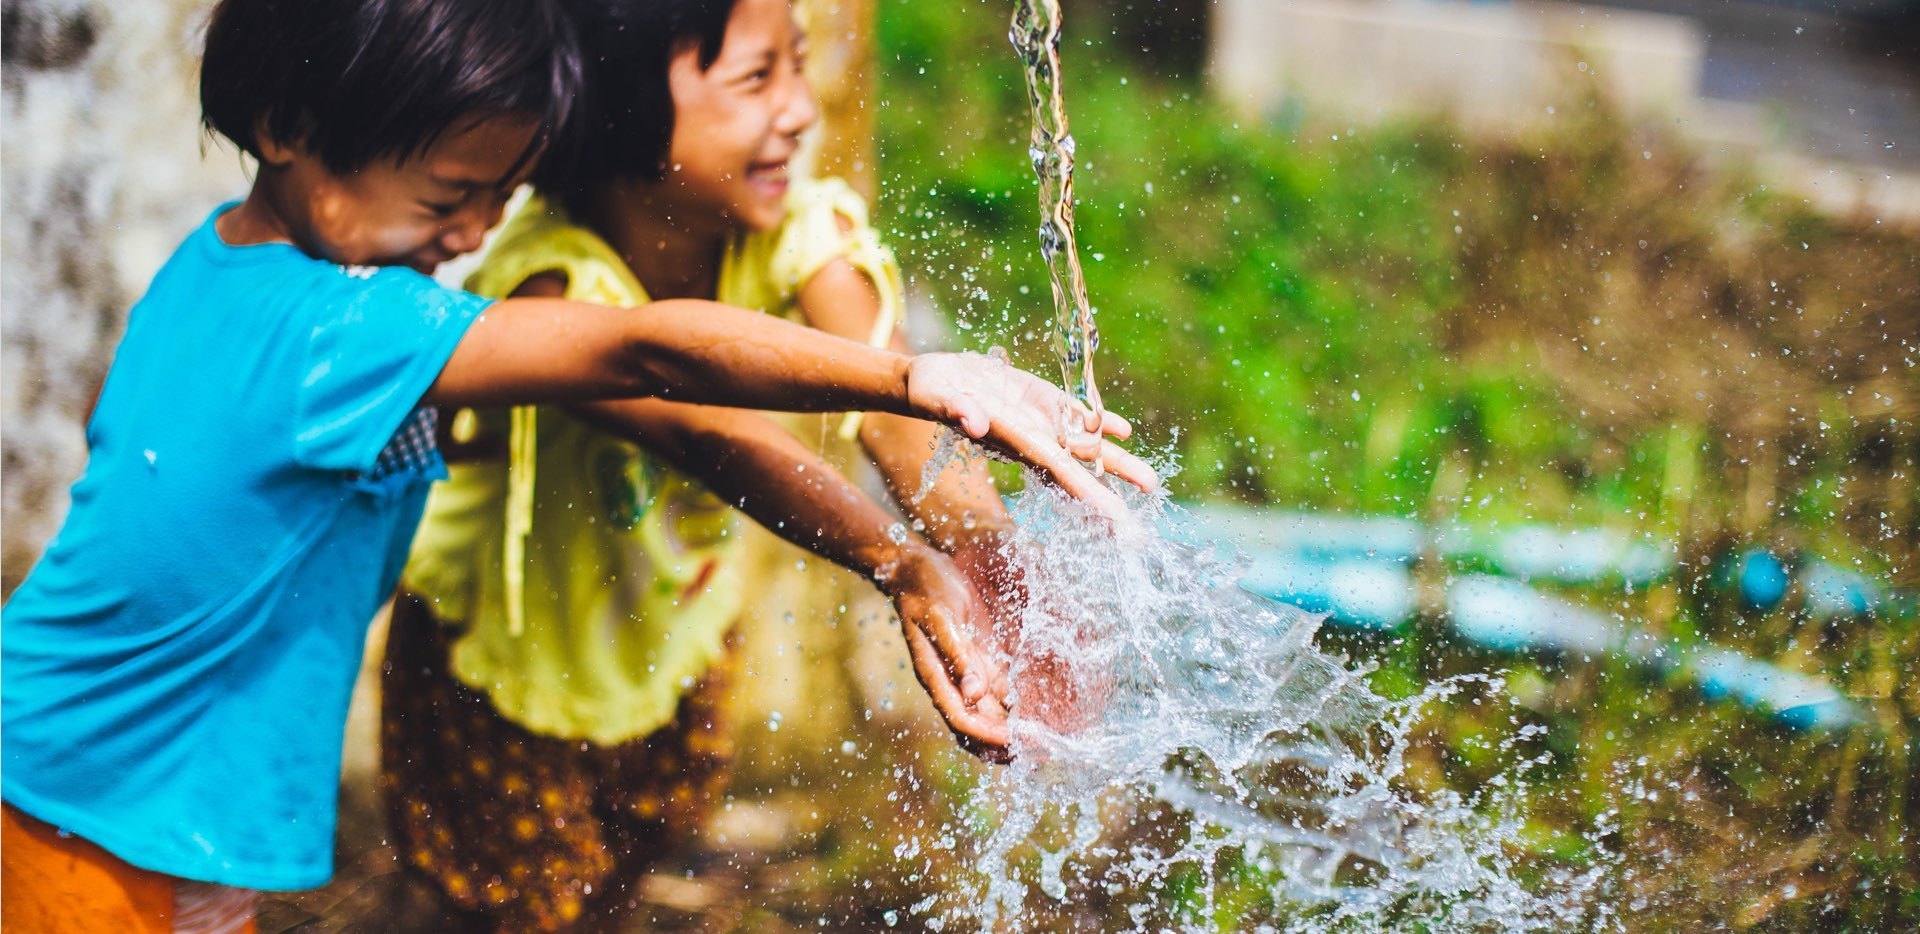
<point>769,174</point>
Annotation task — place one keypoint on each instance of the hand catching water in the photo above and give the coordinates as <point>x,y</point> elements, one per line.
<point>939,615</point>
<point>1022,416</point>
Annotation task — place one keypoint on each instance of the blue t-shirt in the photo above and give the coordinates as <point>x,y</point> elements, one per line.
<point>177,665</point>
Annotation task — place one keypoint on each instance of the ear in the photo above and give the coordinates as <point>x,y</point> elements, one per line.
<point>274,152</point>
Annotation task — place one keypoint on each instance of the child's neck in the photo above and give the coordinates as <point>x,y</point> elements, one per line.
<point>672,257</point>
<point>258,219</point>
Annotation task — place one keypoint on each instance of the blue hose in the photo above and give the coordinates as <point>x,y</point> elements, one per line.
<point>1359,572</point>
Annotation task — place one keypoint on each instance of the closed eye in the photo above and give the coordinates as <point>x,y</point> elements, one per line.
<point>762,72</point>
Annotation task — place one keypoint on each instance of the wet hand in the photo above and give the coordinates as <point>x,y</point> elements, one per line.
<point>938,614</point>
<point>1029,419</point>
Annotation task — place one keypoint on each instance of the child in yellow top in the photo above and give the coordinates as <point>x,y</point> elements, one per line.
<point>589,575</point>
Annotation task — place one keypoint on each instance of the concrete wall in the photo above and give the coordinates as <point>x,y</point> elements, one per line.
<point>1503,67</point>
<point>1489,65</point>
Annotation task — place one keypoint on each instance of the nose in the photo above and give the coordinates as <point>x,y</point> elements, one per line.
<point>468,230</point>
<point>462,239</point>
<point>800,111</point>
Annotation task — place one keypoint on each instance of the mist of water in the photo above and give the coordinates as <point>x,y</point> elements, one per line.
<point>1150,689</point>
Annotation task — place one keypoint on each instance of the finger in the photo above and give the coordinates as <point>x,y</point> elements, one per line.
<point>1002,687</point>
<point>973,689</point>
<point>1001,752</point>
<point>1083,445</point>
<point>1115,427</point>
<point>955,651</point>
<point>1089,422</point>
<point>975,723</point>
<point>1115,459</point>
<point>1129,467</point>
<point>1081,484</point>
<point>993,675</point>
<point>1058,466</point>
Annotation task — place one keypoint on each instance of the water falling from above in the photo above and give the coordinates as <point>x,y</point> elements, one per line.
<point>1036,36</point>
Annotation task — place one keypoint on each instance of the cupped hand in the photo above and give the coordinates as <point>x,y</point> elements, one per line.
<point>1029,419</point>
<point>939,613</point>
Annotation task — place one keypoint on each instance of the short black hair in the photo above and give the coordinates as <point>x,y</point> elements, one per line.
<point>626,115</point>
<point>358,80</point>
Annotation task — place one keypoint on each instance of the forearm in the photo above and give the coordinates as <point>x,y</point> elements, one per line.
<point>747,460</point>
<point>962,506</point>
<point>529,351</point>
<point>720,355</point>
<point>538,350</point>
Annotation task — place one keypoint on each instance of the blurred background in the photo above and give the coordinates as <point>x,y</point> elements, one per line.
<point>1618,304</point>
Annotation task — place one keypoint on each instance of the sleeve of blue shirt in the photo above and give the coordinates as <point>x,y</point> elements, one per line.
<point>372,353</point>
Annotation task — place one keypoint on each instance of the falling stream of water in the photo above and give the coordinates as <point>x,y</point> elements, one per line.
<point>1036,36</point>
<point>1174,732</point>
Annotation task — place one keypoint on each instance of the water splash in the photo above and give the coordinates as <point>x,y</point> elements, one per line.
<point>1036,36</point>
<point>1150,691</point>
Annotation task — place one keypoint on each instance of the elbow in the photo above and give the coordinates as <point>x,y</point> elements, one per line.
<point>642,365</point>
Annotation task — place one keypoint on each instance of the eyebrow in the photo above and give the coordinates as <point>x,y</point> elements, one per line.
<point>761,60</point>
<point>464,184</point>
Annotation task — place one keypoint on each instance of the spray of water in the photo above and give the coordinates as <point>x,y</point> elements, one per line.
<point>1168,725</point>
<point>1149,688</point>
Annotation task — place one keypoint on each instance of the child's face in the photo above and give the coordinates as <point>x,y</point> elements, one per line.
<point>737,124</point>
<point>418,213</point>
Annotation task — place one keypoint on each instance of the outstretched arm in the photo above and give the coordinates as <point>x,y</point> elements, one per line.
<point>529,350</point>
<point>758,466</point>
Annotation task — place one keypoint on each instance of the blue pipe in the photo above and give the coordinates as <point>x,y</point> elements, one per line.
<point>1326,566</point>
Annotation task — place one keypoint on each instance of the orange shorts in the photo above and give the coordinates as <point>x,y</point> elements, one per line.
<point>57,884</point>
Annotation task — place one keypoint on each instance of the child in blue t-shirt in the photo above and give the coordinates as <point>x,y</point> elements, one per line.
<point>176,668</point>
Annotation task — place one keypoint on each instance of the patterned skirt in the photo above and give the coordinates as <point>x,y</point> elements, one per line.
<point>524,831</point>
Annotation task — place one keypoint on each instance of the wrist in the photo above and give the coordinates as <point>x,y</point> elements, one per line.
<point>900,565</point>
<point>903,373</point>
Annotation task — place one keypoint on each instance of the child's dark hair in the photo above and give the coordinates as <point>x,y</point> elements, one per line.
<point>357,80</point>
<point>626,119</point>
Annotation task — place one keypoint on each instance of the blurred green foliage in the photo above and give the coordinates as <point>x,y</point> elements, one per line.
<point>1323,315</point>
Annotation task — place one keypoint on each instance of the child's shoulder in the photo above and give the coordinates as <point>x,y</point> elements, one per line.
<point>826,220</point>
<point>824,207</point>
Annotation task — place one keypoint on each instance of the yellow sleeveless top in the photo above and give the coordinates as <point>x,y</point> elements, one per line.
<point>596,584</point>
